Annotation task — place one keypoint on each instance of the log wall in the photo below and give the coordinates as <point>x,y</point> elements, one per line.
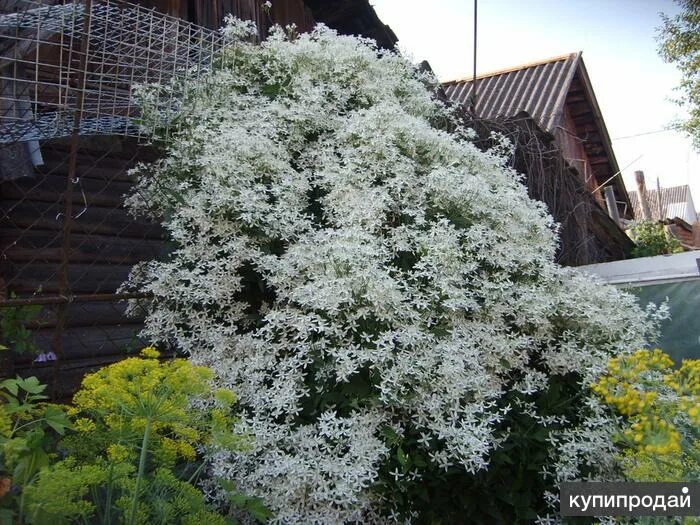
<point>102,244</point>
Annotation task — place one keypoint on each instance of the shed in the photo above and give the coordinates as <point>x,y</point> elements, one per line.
<point>674,279</point>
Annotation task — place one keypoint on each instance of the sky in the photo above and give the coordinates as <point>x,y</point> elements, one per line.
<point>633,86</point>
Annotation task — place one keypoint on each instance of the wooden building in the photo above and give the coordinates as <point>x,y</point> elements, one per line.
<point>66,241</point>
<point>557,96</point>
<point>350,17</point>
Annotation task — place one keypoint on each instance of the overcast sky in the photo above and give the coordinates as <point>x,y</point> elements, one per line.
<point>634,87</point>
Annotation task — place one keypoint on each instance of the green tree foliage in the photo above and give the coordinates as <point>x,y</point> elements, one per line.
<point>652,239</point>
<point>679,44</point>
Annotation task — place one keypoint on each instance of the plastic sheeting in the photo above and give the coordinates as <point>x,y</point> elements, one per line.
<point>680,336</point>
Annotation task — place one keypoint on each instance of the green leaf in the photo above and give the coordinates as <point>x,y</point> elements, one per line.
<point>402,457</point>
<point>10,385</point>
<point>29,465</point>
<point>57,419</point>
<point>392,438</point>
<point>258,510</point>
<point>7,517</point>
<point>31,385</point>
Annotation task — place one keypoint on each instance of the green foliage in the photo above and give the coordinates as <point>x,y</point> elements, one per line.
<point>651,239</point>
<point>679,44</point>
<point>251,506</point>
<point>71,493</point>
<point>29,428</point>
<point>13,327</point>
<point>133,456</point>
<point>510,491</point>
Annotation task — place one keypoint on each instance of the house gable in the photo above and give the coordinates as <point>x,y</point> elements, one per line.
<point>558,94</point>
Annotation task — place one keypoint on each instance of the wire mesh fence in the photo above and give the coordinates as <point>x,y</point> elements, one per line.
<point>69,134</point>
<point>75,64</point>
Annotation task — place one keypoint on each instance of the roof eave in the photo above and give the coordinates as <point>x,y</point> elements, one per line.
<point>605,136</point>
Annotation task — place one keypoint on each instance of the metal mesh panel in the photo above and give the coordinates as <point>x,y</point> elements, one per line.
<point>67,64</point>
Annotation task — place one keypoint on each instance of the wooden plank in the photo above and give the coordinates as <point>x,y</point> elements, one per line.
<point>36,215</point>
<point>599,159</point>
<point>43,246</point>
<point>89,342</point>
<point>87,170</point>
<point>71,373</point>
<point>82,278</point>
<point>594,148</point>
<point>124,148</point>
<point>50,188</point>
<point>579,108</point>
<point>104,160</point>
<point>87,314</point>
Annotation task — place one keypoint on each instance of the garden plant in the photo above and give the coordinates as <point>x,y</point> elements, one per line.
<point>380,294</point>
<point>651,238</point>
<point>659,406</point>
<point>131,452</point>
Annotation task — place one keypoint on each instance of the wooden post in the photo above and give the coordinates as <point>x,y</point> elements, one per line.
<point>612,204</point>
<point>643,200</point>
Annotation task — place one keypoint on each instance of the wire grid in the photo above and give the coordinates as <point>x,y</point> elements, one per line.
<point>59,59</point>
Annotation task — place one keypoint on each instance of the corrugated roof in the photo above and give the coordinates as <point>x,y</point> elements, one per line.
<point>669,197</point>
<point>538,88</point>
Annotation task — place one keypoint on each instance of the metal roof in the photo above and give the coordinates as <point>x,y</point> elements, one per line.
<point>669,197</point>
<point>538,88</point>
<point>544,90</point>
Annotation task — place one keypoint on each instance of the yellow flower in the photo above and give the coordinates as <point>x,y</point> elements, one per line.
<point>150,352</point>
<point>84,424</point>
<point>118,453</point>
<point>5,422</point>
<point>225,397</point>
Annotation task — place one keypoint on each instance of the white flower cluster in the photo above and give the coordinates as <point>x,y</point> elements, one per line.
<point>346,266</point>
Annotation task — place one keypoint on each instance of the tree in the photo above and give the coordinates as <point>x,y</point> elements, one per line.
<point>380,293</point>
<point>679,44</point>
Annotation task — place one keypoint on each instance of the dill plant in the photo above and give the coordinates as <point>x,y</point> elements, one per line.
<point>136,453</point>
<point>379,292</point>
<point>659,407</point>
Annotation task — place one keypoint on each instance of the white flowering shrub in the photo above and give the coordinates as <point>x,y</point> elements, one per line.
<point>378,291</point>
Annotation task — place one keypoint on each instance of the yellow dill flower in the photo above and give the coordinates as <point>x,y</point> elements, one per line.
<point>5,422</point>
<point>119,453</point>
<point>83,424</point>
<point>225,397</point>
<point>186,450</point>
<point>150,352</point>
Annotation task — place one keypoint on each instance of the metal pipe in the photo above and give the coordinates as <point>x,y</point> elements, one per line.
<point>474,93</point>
<point>67,299</point>
<point>64,282</point>
<point>612,204</point>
